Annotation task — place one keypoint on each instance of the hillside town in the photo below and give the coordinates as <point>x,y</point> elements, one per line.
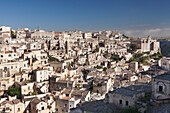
<point>81,72</point>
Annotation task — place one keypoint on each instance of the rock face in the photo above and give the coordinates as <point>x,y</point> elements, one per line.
<point>165,45</point>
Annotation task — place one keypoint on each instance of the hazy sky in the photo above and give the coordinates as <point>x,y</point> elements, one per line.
<point>137,18</point>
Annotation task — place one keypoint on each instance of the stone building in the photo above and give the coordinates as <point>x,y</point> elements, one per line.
<point>146,44</point>
<point>165,63</point>
<point>125,96</point>
<point>161,87</point>
<point>133,66</point>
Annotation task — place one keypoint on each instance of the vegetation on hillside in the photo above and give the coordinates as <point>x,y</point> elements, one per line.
<point>116,58</point>
<point>85,72</point>
<point>13,34</point>
<point>125,36</point>
<point>146,98</point>
<point>130,109</point>
<point>139,57</point>
<point>133,48</point>
<point>156,56</point>
<point>99,67</point>
<point>52,59</point>
<point>14,90</point>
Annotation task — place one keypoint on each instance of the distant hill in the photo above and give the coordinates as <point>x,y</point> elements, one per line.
<point>165,47</point>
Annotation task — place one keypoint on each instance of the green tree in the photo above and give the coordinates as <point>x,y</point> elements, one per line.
<point>125,36</point>
<point>85,72</point>
<point>132,59</point>
<point>146,98</point>
<point>133,47</point>
<point>34,93</point>
<point>14,90</point>
<point>116,58</point>
<point>52,59</point>
<point>13,34</point>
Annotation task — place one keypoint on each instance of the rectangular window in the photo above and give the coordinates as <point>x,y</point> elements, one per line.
<point>160,89</point>
<point>120,101</point>
<point>127,103</point>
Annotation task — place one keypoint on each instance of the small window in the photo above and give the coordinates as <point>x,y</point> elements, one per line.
<point>19,109</point>
<point>11,67</point>
<point>42,108</point>
<point>120,101</point>
<point>127,103</point>
<point>24,65</point>
<point>9,55</point>
<point>1,55</point>
<point>160,88</point>
<point>5,68</point>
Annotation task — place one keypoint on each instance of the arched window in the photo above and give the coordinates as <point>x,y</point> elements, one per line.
<point>161,87</point>
<point>5,68</point>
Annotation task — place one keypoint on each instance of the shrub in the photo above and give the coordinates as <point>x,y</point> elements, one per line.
<point>132,59</point>
<point>156,58</point>
<point>146,98</point>
<point>34,93</point>
<point>133,47</point>
<point>14,90</point>
<point>52,59</point>
<point>131,109</point>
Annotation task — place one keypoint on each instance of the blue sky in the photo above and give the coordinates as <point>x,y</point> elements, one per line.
<point>132,17</point>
